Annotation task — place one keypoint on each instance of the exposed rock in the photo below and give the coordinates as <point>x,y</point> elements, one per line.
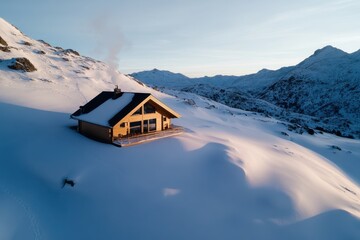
<point>70,51</point>
<point>22,64</point>
<point>336,147</point>
<point>78,71</point>
<point>3,42</point>
<point>5,49</point>
<point>189,101</point>
<point>284,133</point>
<point>310,131</point>
<point>45,80</point>
<point>86,67</point>
<point>39,52</point>
<point>26,43</point>
<point>65,59</point>
<point>45,43</point>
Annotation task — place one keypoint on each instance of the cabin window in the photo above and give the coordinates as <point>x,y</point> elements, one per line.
<point>152,124</point>
<point>138,112</point>
<point>148,108</point>
<point>164,118</point>
<point>122,125</point>
<point>146,126</point>
<point>135,127</point>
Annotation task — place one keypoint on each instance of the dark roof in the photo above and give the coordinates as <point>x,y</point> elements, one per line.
<point>137,99</point>
<point>106,95</point>
<point>94,103</point>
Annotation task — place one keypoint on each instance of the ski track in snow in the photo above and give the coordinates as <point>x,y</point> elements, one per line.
<point>79,90</point>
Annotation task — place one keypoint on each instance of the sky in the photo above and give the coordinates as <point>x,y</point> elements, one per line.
<point>193,37</point>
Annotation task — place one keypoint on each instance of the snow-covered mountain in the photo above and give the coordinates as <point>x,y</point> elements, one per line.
<point>251,82</point>
<point>325,87</point>
<point>163,78</point>
<point>233,174</point>
<point>61,74</point>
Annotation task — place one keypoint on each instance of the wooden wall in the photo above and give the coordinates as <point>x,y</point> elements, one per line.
<point>119,131</point>
<point>97,132</point>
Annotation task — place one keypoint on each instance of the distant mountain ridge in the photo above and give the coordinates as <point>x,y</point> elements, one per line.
<point>325,86</point>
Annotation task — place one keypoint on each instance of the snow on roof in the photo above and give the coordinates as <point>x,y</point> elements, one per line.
<point>103,113</point>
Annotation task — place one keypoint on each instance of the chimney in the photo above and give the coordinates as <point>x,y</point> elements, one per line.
<point>117,92</point>
<point>117,89</point>
<point>81,109</point>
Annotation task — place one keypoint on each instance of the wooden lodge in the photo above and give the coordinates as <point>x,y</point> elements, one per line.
<point>115,115</point>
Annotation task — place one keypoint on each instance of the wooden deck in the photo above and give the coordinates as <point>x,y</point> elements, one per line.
<point>148,137</point>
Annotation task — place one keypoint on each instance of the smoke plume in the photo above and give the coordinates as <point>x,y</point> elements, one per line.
<point>109,42</point>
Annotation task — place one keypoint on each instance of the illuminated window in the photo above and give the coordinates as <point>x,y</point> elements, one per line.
<point>152,124</point>
<point>146,126</point>
<point>135,127</point>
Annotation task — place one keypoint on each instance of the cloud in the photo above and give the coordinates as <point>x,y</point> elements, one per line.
<point>169,192</point>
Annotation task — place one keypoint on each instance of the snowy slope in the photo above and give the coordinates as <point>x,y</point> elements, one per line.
<point>61,74</point>
<point>232,175</point>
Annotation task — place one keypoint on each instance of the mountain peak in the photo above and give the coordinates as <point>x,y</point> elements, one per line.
<point>325,53</point>
<point>329,50</point>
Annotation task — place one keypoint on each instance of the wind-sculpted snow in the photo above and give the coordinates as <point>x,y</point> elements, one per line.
<point>229,176</point>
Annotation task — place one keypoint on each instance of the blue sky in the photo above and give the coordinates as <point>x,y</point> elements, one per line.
<point>194,37</point>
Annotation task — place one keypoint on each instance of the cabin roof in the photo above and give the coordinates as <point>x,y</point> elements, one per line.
<point>108,108</point>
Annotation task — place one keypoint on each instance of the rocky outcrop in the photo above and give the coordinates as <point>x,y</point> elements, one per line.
<point>22,64</point>
<point>26,43</point>
<point>4,49</point>
<point>40,52</point>
<point>45,43</point>
<point>70,51</point>
<point>3,42</point>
